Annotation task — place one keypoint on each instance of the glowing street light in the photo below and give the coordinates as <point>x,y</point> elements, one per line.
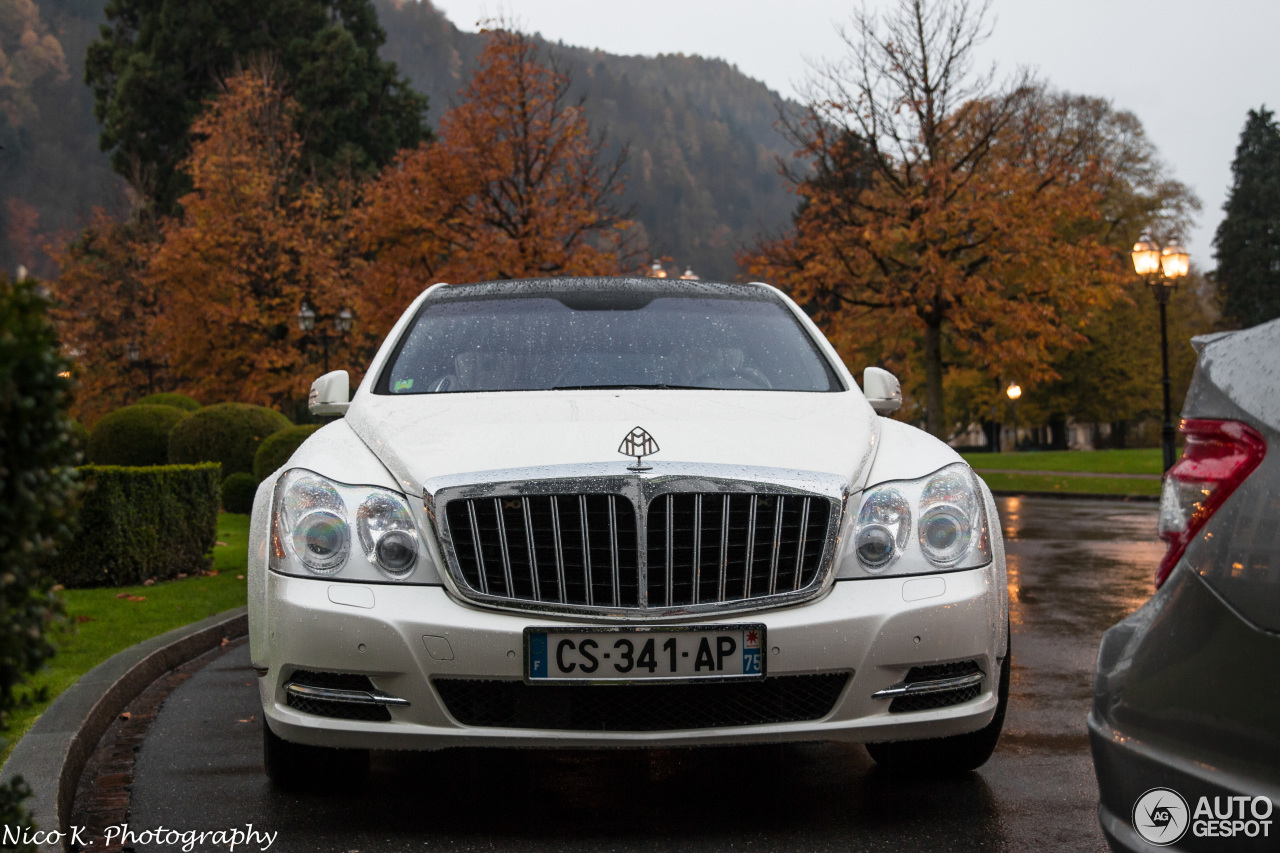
<point>1162,267</point>
<point>1014,391</point>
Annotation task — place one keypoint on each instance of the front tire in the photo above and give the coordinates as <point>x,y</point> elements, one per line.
<point>948,756</point>
<point>299,767</point>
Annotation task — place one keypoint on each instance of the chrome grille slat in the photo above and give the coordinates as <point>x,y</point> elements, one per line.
<point>697,546</point>
<point>586,548</point>
<point>777,544</point>
<point>724,547</point>
<point>506,554</point>
<point>710,550</point>
<point>613,546</point>
<point>555,531</point>
<point>670,556</point>
<point>804,526</point>
<point>475,540</point>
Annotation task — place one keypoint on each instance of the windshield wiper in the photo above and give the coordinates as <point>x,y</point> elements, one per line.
<point>631,387</point>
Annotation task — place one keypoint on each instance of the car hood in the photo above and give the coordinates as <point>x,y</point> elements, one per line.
<point>428,436</point>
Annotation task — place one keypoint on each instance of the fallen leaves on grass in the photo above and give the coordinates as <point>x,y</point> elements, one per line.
<point>130,597</point>
<point>81,618</point>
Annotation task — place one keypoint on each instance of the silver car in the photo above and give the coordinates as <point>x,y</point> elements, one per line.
<point>1185,726</point>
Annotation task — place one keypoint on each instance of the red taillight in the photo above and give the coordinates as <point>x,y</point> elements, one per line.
<point>1218,457</point>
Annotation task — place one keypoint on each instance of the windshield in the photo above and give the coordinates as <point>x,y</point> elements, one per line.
<point>606,339</point>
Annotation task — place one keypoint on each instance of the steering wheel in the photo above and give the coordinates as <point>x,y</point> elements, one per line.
<point>448,382</point>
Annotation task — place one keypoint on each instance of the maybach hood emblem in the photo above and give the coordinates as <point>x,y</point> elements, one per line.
<point>639,444</point>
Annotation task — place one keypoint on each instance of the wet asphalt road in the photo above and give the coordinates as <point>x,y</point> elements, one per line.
<point>1075,568</point>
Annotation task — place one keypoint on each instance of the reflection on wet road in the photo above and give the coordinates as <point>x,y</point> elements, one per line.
<point>1075,568</point>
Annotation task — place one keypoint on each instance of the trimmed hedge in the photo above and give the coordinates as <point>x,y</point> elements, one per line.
<point>168,398</point>
<point>238,491</point>
<point>229,433</point>
<point>140,523</point>
<point>134,435</point>
<point>277,448</point>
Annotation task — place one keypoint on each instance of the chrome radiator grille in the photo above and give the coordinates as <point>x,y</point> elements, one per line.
<point>721,547</point>
<point>661,546</point>
<point>562,549</point>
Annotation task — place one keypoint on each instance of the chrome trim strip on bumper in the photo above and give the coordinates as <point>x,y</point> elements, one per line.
<point>356,697</point>
<point>922,688</point>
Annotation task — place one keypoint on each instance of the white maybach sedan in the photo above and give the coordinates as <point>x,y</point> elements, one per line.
<point>622,512</point>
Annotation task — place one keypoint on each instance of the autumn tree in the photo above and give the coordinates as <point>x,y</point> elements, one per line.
<point>104,303</point>
<point>158,61</point>
<point>944,209</point>
<point>257,236</point>
<point>515,187</point>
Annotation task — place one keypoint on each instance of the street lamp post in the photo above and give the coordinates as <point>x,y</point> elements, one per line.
<point>307,318</point>
<point>134,354</point>
<point>1014,391</point>
<point>1161,268</point>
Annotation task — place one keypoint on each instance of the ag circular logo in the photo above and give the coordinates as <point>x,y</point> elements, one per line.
<point>1160,816</point>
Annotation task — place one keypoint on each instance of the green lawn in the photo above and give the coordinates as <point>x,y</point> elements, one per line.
<point>1144,461</point>
<point>100,624</point>
<point>1067,484</point>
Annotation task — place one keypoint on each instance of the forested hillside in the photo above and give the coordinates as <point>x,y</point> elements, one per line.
<point>701,180</point>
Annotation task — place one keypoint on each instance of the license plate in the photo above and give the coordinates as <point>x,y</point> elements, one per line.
<point>660,653</point>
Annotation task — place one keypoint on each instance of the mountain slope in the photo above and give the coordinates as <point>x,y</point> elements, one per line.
<point>702,178</point>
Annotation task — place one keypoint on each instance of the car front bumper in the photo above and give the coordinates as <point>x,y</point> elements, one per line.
<point>402,638</point>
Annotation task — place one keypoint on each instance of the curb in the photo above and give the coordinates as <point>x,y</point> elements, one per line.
<point>52,755</point>
<point>1083,496</point>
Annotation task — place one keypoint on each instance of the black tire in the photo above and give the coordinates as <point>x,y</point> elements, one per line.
<point>298,767</point>
<point>948,756</point>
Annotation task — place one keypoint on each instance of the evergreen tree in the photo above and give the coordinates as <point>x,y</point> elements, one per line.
<point>157,62</point>
<point>1248,241</point>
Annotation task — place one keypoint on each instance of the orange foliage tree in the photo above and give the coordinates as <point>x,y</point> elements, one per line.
<point>257,237</point>
<point>104,302</point>
<point>940,209</point>
<point>515,187</point>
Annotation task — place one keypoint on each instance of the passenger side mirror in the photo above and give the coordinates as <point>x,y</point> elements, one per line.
<point>882,390</point>
<point>330,394</point>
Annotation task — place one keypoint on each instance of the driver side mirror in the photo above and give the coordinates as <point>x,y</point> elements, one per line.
<point>882,390</point>
<point>330,394</point>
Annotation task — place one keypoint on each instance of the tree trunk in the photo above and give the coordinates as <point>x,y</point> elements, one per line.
<point>1058,427</point>
<point>936,421</point>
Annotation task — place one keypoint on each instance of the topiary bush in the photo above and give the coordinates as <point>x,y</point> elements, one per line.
<point>139,523</point>
<point>134,435</point>
<point>38,490</point>
<point>168,398</point>
<point>276,450</point>
<point>229,433</point>
<point>238,491</point>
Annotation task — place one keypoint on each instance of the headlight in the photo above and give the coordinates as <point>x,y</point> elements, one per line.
<point>935,523</point>
<point>387,533</point>
<point>311,524</point>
